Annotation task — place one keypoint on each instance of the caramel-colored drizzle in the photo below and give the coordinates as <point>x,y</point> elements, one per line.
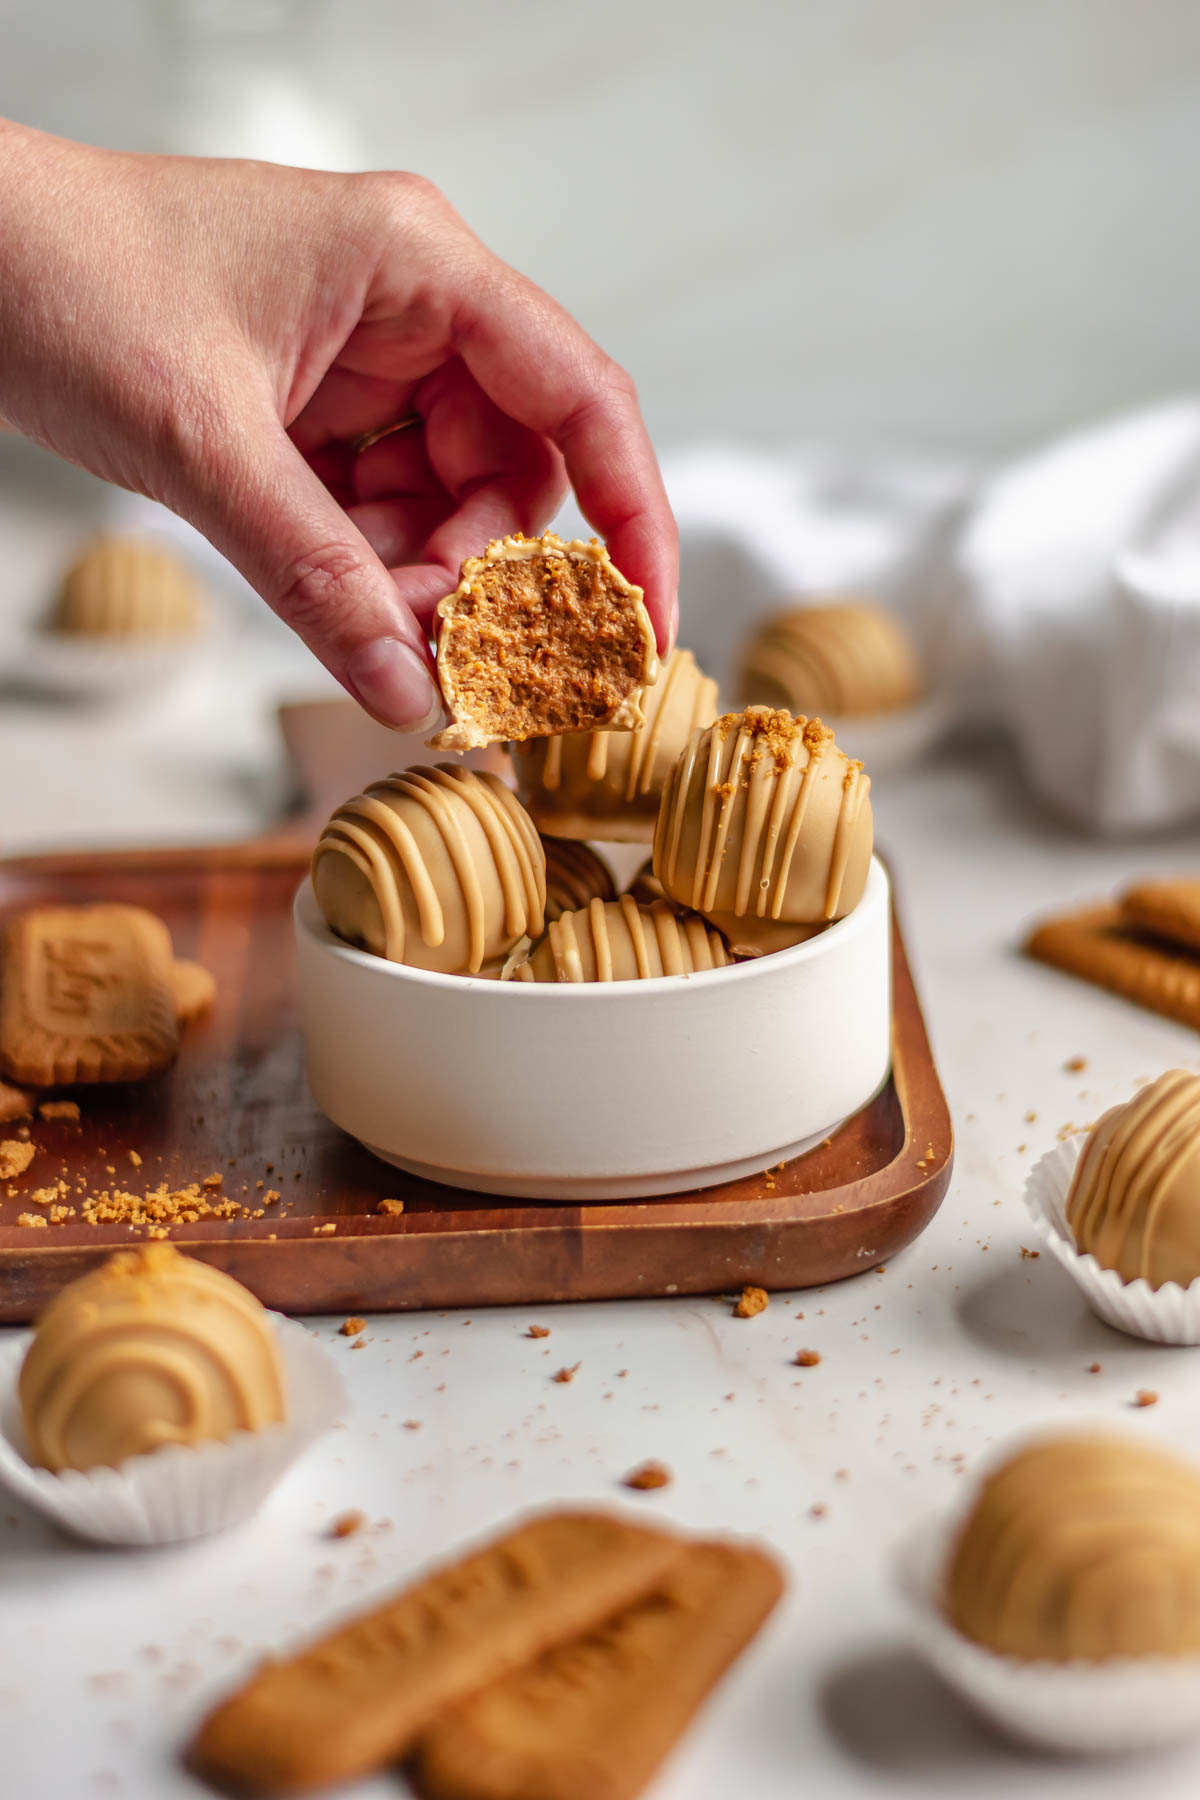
<point>376,839</point>
<point>643,744</point>
<point>684,945</point>
<point>1127,1167</point>
<point>775,804</point>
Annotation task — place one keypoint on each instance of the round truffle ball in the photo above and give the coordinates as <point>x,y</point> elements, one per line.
<point>765,827</point>
<point>608,784</point>
<point>1081,1548</point>
<point>1134,1201</point>
<point>842,661</point>
<point>124,587</point>
<point>575,875</point>
<point>622,941</point>
<point>153,1348</point>
<point>440,868</point>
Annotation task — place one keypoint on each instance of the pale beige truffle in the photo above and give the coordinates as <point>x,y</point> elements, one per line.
<point>765,828</point>
<point>841,661</point>
<point>575,875</point>
<point>153,1348</point>
<point>128,588</point>
<point>1081,1548</point>
<point>440,868</point>
<point>539,637</point>
<point>608,784</point>
<point>1134,1201</point>
<point>622,941</point>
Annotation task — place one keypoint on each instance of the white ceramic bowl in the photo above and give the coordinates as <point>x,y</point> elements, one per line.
<point>598,1091</point>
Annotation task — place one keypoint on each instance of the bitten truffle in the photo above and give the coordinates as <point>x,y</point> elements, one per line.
<point>440,868</point>
<point>124,587</point>
<point>608,784</point>
<point>153,1348</point>
<point>1081,1548</point>
<point>842,661</point>
<point>765,828</point>
<point>622,941</point>
<point>540,637</point>
<point>1134,1202</point>
<point>575,875</point>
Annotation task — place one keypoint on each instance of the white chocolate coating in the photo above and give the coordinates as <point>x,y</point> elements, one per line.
<point>1134,1201</point>
<point>840,661</point>
<point>440,868</point>
<point>153,1348</point>
<point>622,941</point>
<point>124,587</point>
<point>1081,1548</point>
<point>765,828</point>
<point>608,784</point>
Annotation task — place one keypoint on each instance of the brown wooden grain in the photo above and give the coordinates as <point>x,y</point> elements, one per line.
<point>237,1101</point>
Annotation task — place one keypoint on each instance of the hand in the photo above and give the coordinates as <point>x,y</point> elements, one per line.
<point>221,335</point>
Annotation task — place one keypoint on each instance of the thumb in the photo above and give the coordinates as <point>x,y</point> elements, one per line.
<point>275,521</point>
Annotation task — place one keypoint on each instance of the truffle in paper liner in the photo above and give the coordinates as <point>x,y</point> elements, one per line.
<point>1167,1315</point>
<point>181,1491</point>
<point>1130,1703</point>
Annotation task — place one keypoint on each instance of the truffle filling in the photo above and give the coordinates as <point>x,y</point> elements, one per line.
<point>542,645</point>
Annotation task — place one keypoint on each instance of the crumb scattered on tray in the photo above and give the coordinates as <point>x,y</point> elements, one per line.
<point>538,1331</point>
<point>819,1511</point>
<point>808,1359</point>
<point>1029,1255</point>
<point>751,1301</point>
<point>347,1523</point>
<point>1075,1065</point>
<point>1145,1397</point>
<point>647,1476</point>
<point>412,1424</point>
<point>352,1327</point>
<point>59,1109</point>
<point>391,1208</point>
<point>15,1157</point>
<point>32,1219</point>
<point>1093,1368</point>
<point>135,1159</point>
<point>15,1103</point>
<point>567,1374</point>
<point>326,1230</point>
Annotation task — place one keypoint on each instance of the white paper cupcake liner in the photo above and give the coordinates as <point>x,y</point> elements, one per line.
<point>181,1491</point>
<point>1166,1315</point>
<point>1082,1708</point>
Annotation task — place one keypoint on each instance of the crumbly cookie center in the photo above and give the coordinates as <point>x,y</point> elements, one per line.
<point>544,645</point>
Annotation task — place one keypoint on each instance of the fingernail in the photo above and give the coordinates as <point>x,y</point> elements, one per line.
<point>393,682</point>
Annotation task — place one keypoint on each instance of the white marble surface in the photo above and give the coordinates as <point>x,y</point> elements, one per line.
<point>107,1659</point>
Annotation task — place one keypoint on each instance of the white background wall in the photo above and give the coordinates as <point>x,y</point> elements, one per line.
<point>961,222</point>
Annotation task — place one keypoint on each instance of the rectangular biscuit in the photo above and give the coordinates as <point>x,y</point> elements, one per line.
<point>1170,909</point>
<point>86,995</point>
<point>1099,947</point>
<point>594,1719</point>
<point>360,1697</point>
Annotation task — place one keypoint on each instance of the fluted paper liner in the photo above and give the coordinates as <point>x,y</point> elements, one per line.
<point>181,1491</point>
<point>1166,1315</point>
<point>1131,1703</point>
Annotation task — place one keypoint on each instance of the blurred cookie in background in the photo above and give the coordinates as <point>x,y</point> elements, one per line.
<point>126,587</point>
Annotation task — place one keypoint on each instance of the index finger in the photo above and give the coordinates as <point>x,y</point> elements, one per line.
<point>543,370</point>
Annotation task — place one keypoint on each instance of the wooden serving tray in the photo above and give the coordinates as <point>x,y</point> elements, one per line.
<point>237,1102</point>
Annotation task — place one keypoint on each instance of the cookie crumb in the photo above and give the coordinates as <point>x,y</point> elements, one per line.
<point>15,1157</point>
<point>567,1374</point>
<point>1145,1397</point>
<point>32,1219</point>
<point>646,1476</point>
<point>15,1103</point>
<point>412,1424</point>
<point>59,1109</point>
<point>352,1327</point>
<point>1093,1368</point>
<point>390,1208</point>
<point>326,1230</point>
<point>1029,1255</point>
<point>1075,1065</point>
<point>818,1511</point>
<point>135,1159</point>
<point>347,1523</point>
<point>807,1359</point>
<point>752,1301</point>
<point>538,1331</point>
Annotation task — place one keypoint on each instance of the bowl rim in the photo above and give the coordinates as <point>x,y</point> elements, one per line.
<point>310,922</point>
